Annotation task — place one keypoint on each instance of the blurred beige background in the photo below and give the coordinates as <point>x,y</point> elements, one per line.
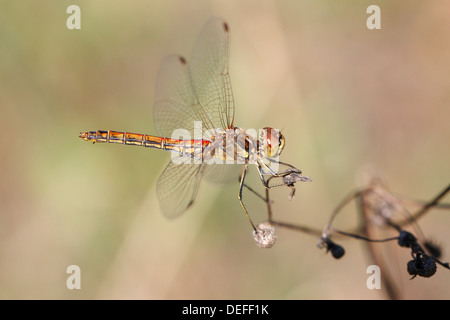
<point>349,101</point>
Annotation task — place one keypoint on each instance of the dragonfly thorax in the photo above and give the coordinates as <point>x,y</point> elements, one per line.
<point>231,145</point>
<point>235,145</point>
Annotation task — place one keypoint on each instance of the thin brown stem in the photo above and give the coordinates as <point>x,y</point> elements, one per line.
<point>433,203</point>
<point>304,229</point>
<point>388,283</point>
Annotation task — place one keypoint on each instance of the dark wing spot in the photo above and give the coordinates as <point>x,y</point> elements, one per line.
<point>182,60</point>
<point>190,204</point>
<point>225,26</point>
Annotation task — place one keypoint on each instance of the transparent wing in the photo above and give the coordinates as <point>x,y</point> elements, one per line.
<point>209,71</point>
<point>186,93</point>
<point>177,187</point>
<point>176,106</point>
<point>222,173</point>
<point>199,91</point>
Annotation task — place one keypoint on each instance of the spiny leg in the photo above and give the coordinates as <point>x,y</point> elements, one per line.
<point>241,186</point>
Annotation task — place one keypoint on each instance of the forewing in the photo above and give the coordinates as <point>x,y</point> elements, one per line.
<point>176,105</point>
<point>209,71</point>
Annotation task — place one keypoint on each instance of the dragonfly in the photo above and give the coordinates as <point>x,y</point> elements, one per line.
<point>194,115</point>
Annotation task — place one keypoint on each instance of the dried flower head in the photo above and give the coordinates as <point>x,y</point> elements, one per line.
<point>294,177</point>
<point>422,265</point>
<point>264,235</point>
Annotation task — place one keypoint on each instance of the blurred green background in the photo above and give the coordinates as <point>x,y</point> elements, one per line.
<point>350,101</point>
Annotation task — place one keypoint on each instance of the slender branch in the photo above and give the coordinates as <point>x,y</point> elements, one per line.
<point>342,204</point>
<point>304,229</point>
<point>434,202</point>
<point>360,237</point>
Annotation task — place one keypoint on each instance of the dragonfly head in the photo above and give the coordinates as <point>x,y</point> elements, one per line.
<point>274,142</point>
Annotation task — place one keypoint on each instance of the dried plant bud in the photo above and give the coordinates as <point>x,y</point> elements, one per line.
<point>422,265</point>
<point>406,239</point>
<point>264,235</point>
<point>294,177</point>
<point>411,268</point>
<point>337,251</point>
<point>292,194</point>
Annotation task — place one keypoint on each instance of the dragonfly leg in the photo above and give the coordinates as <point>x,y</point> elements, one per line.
<point>263,180</point>
<point>241,186</point>
<point>255,192</point>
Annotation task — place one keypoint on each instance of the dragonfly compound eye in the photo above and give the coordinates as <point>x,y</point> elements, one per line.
<point>274,142</point>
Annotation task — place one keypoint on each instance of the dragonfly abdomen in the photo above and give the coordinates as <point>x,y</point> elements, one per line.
<point>144,140</point>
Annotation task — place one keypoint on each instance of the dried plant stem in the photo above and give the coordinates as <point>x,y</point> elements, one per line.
<point>427,206</point>
<point>388,283</point>
<point>367,229</point>
<point>286,225</point>
<point>304,229</point>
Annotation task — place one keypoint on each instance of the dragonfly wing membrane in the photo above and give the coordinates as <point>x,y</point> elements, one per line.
<point>177,187</point>
<point>209,70</point>
<point>174,98</point>
<point>222,173</point>
<point>198,91</point>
